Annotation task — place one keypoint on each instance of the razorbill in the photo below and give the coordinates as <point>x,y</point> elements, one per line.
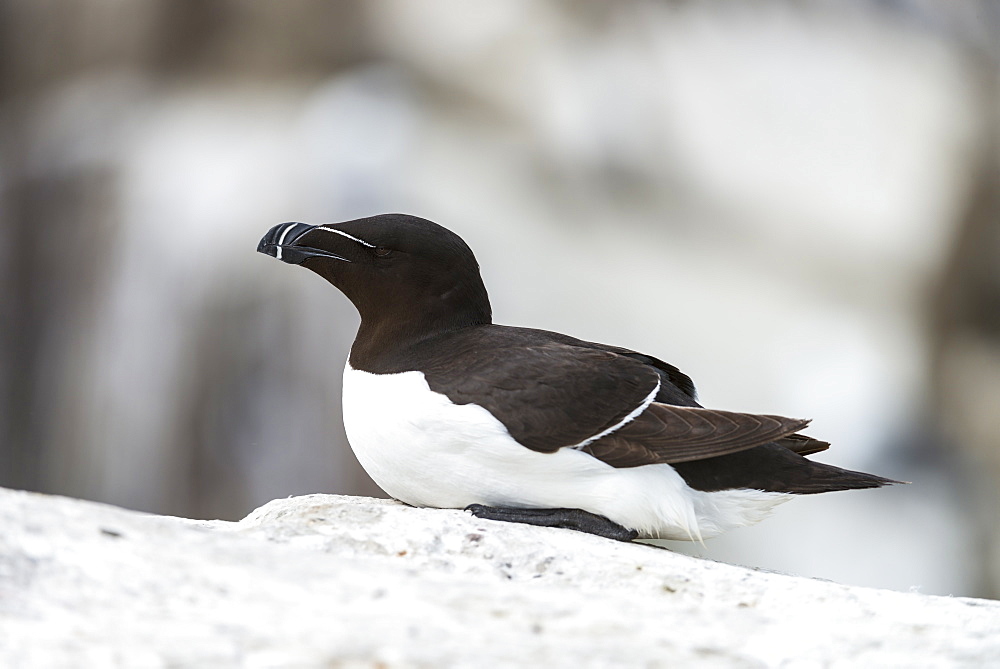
<point>445,409</point>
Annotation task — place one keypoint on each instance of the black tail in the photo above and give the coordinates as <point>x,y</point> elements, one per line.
<point>827,478</point>
<point>773,468</point>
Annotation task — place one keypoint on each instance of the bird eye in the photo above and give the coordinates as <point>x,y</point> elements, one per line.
<point>382,252</point>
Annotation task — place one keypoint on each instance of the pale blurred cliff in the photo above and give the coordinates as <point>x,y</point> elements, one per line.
<point>796,203</point>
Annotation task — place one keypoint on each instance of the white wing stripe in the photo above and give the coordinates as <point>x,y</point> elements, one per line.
<point>624,421</point>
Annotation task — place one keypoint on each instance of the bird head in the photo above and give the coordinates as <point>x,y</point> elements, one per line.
<point>393,267</point>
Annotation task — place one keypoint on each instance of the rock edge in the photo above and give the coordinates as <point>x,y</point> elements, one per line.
<point>335,581</point>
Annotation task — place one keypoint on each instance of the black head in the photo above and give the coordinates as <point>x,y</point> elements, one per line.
<point>408,277</point>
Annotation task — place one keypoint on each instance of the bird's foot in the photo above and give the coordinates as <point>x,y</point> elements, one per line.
<point>570,519</point>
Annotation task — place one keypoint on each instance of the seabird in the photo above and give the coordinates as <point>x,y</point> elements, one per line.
<point>445,409</point>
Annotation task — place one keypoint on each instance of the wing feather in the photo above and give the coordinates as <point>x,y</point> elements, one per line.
<point>803,445</point>
<point>669,434</point>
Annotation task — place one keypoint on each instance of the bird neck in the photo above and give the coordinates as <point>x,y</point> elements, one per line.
<point>384,337</point>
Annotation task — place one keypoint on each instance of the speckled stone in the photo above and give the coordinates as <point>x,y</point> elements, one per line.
<point>333,581</point>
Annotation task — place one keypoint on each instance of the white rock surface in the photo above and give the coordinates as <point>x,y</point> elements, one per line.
<point>332,581</point>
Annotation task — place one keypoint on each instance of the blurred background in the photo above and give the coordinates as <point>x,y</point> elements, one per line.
<point>798,203</point>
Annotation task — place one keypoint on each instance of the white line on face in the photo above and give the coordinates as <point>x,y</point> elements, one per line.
<point>344,234</point>
<point>281,239</point>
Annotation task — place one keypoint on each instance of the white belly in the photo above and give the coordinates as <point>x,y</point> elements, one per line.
<point>426,451</point>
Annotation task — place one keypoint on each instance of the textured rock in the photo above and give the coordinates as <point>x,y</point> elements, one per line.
<point>333,581</point>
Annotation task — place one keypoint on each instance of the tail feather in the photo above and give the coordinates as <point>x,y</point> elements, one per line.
<point>773,468</point>
<point>828,478</point>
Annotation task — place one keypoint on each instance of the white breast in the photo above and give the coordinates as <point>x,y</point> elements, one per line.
<point>426,451</point>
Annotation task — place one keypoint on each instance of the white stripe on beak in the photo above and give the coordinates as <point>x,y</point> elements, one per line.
<point>281,239</point>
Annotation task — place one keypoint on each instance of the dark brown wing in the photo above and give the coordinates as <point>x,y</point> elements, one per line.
<point>678,388</point>
<point>670,434</point>
<point>548,394</point>
<point>551,391</point>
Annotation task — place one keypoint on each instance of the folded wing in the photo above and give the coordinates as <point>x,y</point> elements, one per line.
<point>670,434</point>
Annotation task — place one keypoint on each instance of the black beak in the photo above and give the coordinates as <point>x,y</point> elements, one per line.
<point>280,243</point>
